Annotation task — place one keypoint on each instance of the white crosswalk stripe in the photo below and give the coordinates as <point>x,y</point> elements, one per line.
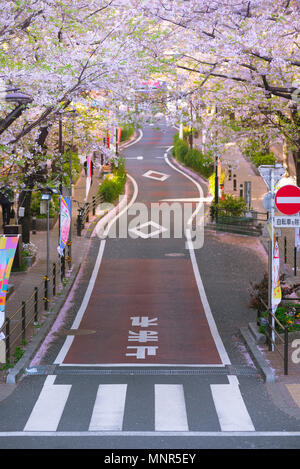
<point>230,407</point>
<point>49,407</point>
<point>109,407</point>
<point>169,410</point>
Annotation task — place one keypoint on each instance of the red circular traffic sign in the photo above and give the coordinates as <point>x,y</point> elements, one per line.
<point>287,200</point>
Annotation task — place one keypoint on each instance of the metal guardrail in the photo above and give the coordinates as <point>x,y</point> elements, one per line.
<point>250,222</point>
<point>272,341</point>
<point>84,211</point>
<point>16,326</point>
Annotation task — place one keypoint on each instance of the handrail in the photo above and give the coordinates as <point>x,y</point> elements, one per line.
<point>272,342</point>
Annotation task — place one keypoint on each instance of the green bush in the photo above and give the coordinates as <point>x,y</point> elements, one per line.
<point>127,132</point>
<point>202,163</point>
<point>76,168</point>
<point>258,152</point>
<point>36,202</point>
<point>111,188</point>
<point>181,150</point>
<point>231,206</point>
<point>192,157</point>
<point>259,159</point>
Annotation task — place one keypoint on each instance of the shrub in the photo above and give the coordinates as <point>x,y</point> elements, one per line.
<point>258,152</point>
<point>112,187</point>
<point>35,205</point>
<point>127,132</point>
<point>76,168</point>
<point>231,206</point>
<point>260,159</point>
<point>181,150</point>
<point>192,157</point>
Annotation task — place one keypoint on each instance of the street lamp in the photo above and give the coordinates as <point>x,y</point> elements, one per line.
<point>13,95</point>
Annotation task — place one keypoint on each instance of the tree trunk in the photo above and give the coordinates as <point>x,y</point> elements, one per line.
<point>25,201</point>
<point>25,196</point>
<point>296,155</point>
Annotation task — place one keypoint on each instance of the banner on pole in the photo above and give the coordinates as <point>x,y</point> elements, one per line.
<point>113,133</point>
<point>276,288</point>
<point>88,176</point>
<point>65,223</point>
<point>8,247</point>
<point>119,135</point>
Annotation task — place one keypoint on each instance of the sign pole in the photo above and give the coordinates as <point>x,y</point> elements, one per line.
<point>272,261</point>
<point>271,175</point>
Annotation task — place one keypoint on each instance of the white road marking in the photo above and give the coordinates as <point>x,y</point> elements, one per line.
<point>170,411</point>
<point>210,319</point>
<point>188,434</point>
<point>152,175</point>
<point>230,407</point>
<point>134,158</point>
<point>135,141</point>
<point>49,407</point>
<point>108,412</point>
<point>158,229</point>
<point>191,199</point>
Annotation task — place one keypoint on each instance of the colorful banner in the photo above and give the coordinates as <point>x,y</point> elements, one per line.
<point>65,223</point>
<point>113,133</point>
<point>276,288</point>
<point>8,247</point>
<point>119,135</point>
<point>88,176</point>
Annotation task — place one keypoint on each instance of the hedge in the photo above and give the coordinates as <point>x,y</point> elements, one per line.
<point>127,132</point>
<point>112,187</point>
<point>193,158</point>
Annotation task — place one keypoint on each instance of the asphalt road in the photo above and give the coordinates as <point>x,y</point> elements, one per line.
<point>148,353</point>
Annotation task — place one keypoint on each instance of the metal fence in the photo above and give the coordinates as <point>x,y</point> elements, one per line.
<point>26,317</point>
<point>250,222</point>
<point>272,334</point>
<point>84,212</point>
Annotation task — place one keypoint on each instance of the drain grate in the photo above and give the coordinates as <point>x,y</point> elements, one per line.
<point>226,370</point>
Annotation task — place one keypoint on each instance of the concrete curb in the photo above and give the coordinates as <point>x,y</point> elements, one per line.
<point>256,356</point>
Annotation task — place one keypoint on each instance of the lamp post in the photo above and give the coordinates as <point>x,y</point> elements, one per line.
<point>69,259</point>
<point>47,196</point>
<point>13,95</point>
<point>216,186</point>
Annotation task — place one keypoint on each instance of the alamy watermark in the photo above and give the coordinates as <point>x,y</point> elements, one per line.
<point>177,220</point>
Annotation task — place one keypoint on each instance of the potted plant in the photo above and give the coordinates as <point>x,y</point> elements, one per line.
<point>29,252</point>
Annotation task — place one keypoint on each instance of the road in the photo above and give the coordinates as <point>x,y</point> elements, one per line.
<point>148,353</point>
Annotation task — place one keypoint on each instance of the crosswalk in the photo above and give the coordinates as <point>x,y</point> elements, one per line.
<point>169,409</point>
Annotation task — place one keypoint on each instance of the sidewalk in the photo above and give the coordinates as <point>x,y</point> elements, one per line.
<point>23,283</point>
<point>284,390</point>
